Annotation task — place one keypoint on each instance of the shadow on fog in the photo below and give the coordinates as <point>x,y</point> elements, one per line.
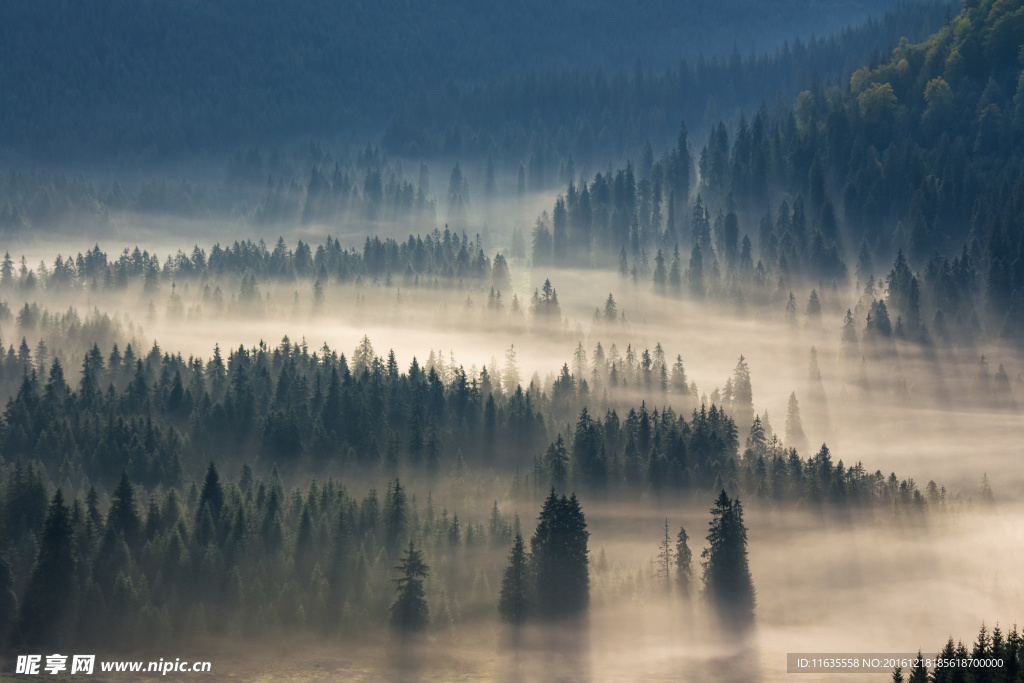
<point>550,652</point>
<point>741,666</point>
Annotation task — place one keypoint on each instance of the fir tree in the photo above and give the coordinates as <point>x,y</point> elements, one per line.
<point>50,600</point>
<point>795,437</point>
<point>409,612</point>
<point>559,558</point>
<point>684,568</point>
<point>396,519</point>
<point>212,497</point>
<point>727,581</point>
<point>743,395</point>
<point>919,674</point>
<point>514,602</point>
<point>665,556</point>
<point>123,516</point>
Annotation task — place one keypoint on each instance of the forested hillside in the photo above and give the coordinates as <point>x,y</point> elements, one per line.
<point>544,119</point>
<point>919,158</point>
<point>170,79</point>
<point>696,337</point>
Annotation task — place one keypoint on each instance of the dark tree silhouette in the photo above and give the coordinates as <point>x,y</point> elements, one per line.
<point>409,612</point>
<point>50,598</point>
<point>514,602</point>
<point>684,564</point>
<point>727,581</point>
<point>559,555</point>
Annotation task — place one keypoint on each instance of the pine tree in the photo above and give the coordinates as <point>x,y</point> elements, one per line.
<point>212,497</point>
<point>556,460</point>
<point>684,568</point>
<point>795,437</point>
<point>396,519</point>
<point>409,612</point>
<point>559,558</point>
<point>514,602</point>
<point>123,516</point>
<point>791,311</point>
<point>610,311</point>
<point>814,309</point>
<point>919,674</point>
<point>49,604</point>
<point>727,581</point>
<point>743,395</point>
<point>665,559</point>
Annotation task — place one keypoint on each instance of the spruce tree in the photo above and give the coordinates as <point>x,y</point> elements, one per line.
<point>212,496</point>
<point>409,612</point>
<point>396,519</point>
<point>684,567</point>
<point>795,437</point>
<point>514,602</point>
<point>743,395</point>
<point>122,515</point>
<point>559,555</point>
<point>665,556</point>
<point>919,674</point>
<point>727,581</point>
<point>49,604</point>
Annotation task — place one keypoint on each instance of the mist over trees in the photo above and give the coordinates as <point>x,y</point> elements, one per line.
<point>589,275</point>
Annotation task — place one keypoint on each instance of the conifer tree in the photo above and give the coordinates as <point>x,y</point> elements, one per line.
<point>727,581</point>
<point>409,612</point>
<point>795,437</point>
<point>919,674</point>
<point>123,515</point>
<point>743,395</point>
<point>50,600</point>
<point>684,568</point>
<point>514,602</point>
<point>396,519</point>
<point>212,497</point>
<point>665,556</point>
<point>559,558</point>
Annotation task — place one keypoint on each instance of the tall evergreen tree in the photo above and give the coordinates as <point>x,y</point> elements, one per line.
<point>396,518</point>
<point>409,612</point>
<point>559,556</point>
<point>743,394</point>
<point>684,567</point>
<point>665,556</point>
<point>212,496</point>
<point>919,674</point>
<point>727,581</point>
<point>514,602</point>
<point>123,515</point>
<point>795,437</point>
<point>50,600</point>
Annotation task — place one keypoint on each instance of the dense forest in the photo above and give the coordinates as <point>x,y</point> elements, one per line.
<point>891,164</point>
<point>318,557</point>
<point>439,256</point>
<point>549,120</point>
<point>233,73</point>
<point>696,336</point>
